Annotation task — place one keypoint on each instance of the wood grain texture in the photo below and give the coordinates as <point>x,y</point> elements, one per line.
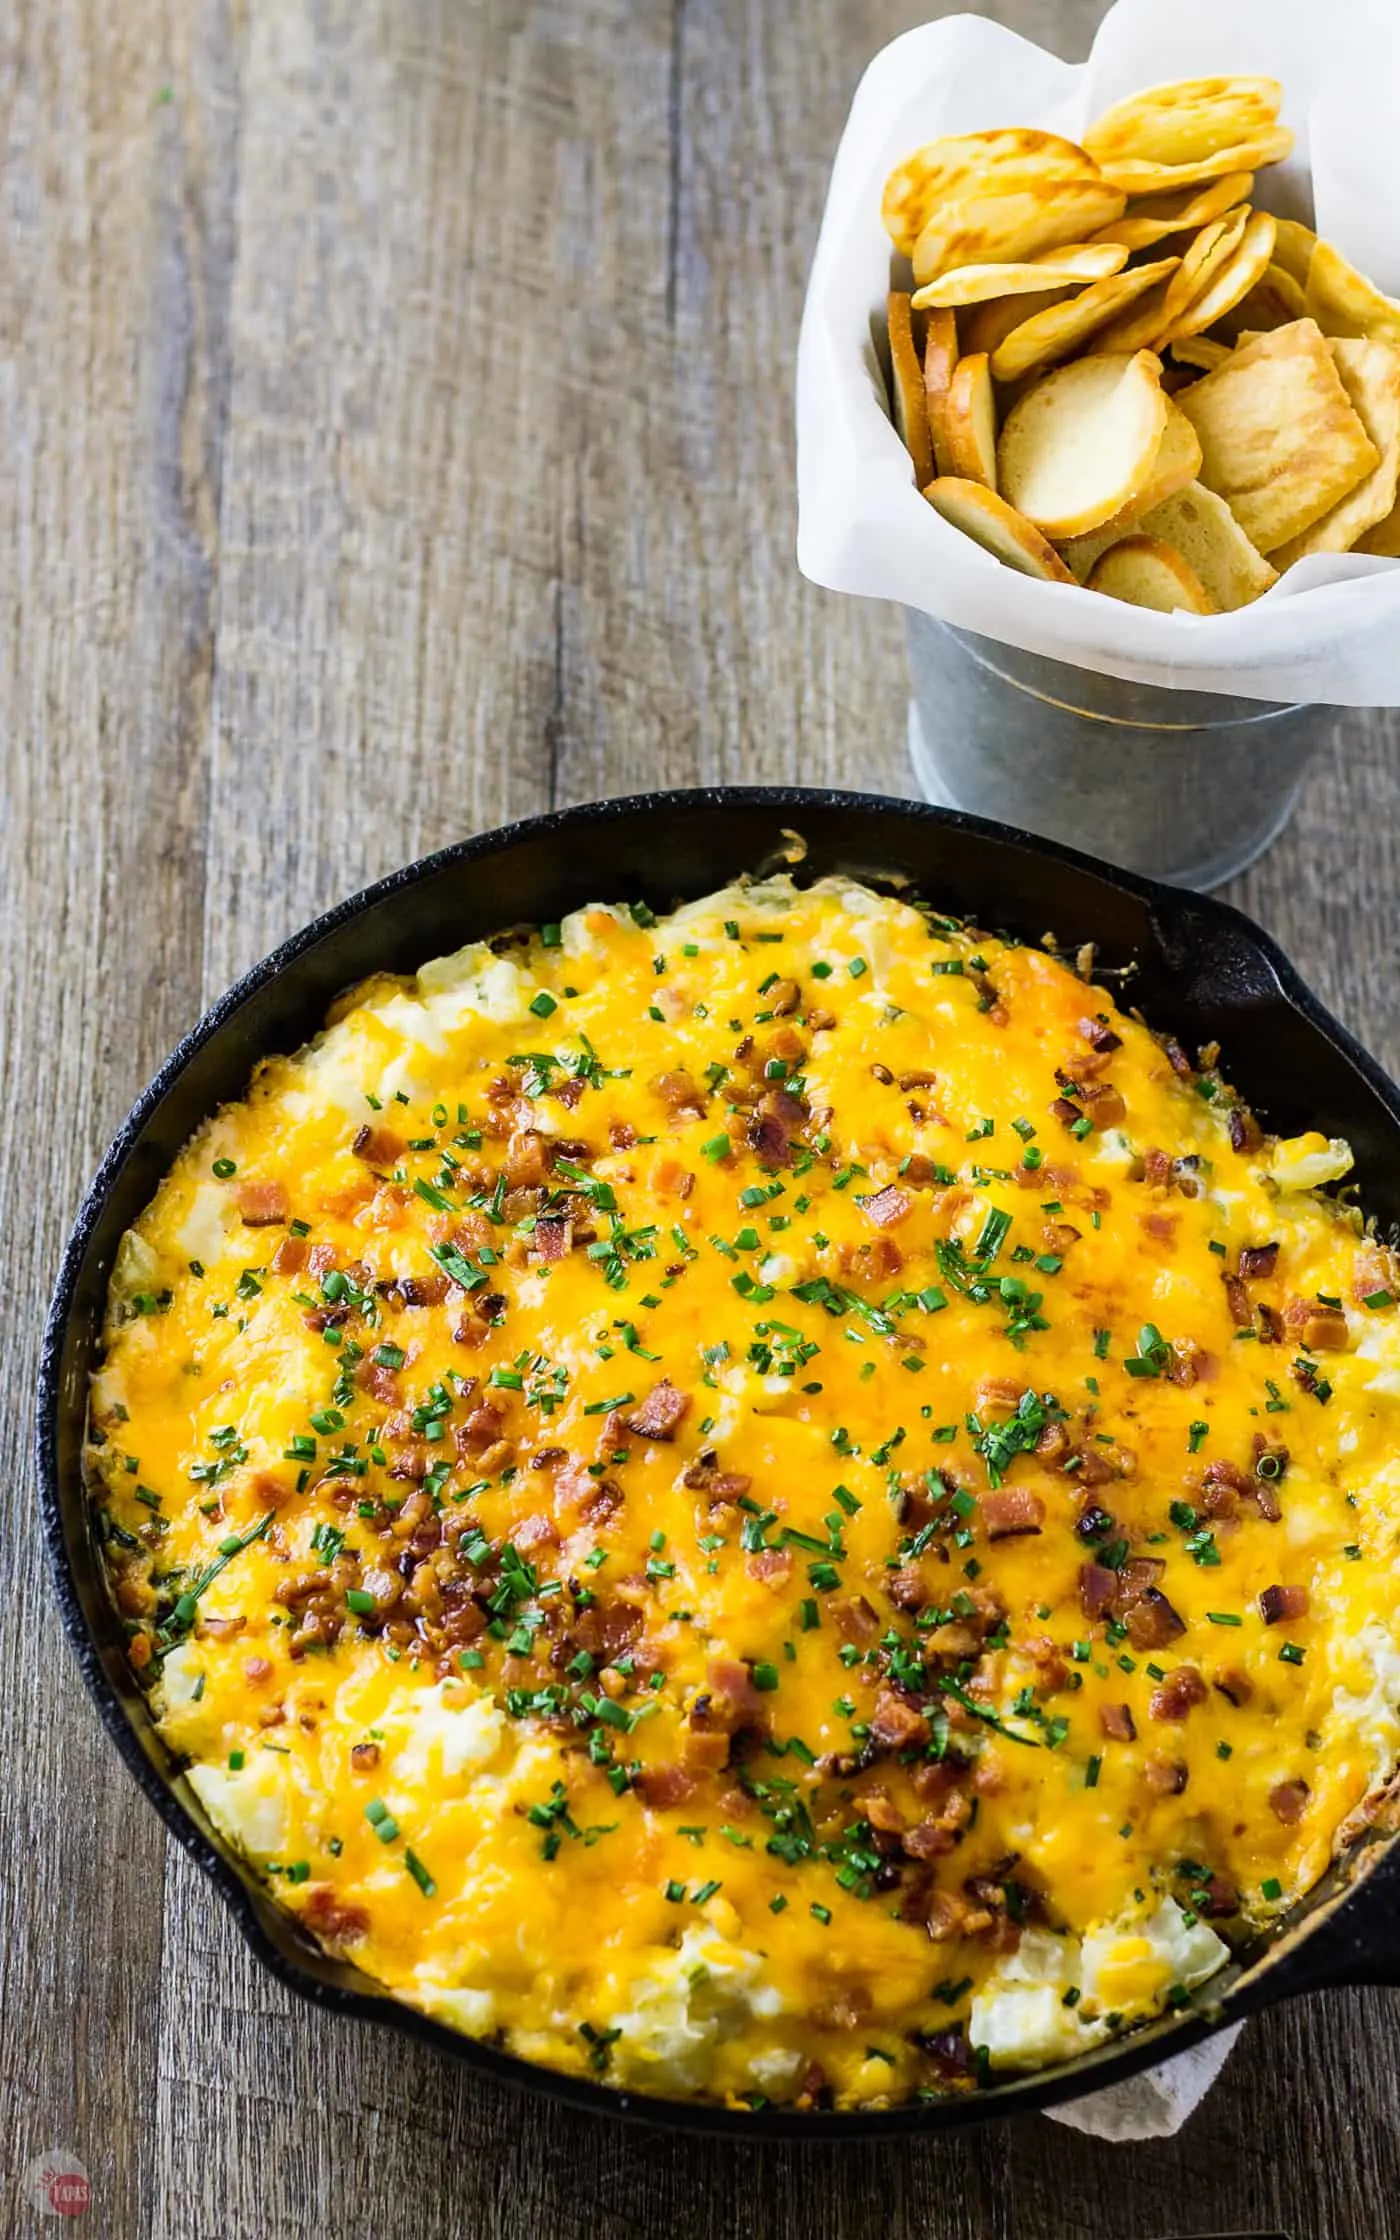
<point>395,436</point>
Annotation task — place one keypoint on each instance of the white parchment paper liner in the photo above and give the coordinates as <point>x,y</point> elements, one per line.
<point>1330,630</point>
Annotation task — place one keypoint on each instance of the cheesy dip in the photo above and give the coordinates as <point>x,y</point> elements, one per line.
<point>783,1504</point>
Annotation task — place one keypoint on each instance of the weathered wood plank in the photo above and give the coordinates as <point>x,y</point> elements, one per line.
<point>112,400</point>
<point>397,437</point>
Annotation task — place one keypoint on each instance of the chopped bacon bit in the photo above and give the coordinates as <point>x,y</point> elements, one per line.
<point>1091,1467</point>
<point>1152,1622</point>
<point>528,1159</point>
<point>256,1670</point>
<point>378,1147</point>
<point>1215,1898</point>
<point>908,1589</point>
<point>1278,1604</point>
<point>730,1701</point>
<point>1222,1487</point>
<point>481,1430</point>
<point>268,1490</point>
<point>1000,1392</point>
<point>1116,1722</point>
<point>1106,1105</point>
<point>705,1750</point>
<point>1053,1443</point>
<point>772,1565</point>
<point>855,1620</point>
<point>1010,1511</point>
<point>554,1236</point>
<point>705,1476</point>
<point>1156,1168</point>
<point>333,1917</point>
<point>290,1257</point>
<point>364,1756</point>
<point>683,1098</point>
<point>1236,1687</point>
<point>873,1262</point>
<point>662,1787</point>
<point>1067,1112</point>
<point>661,1414</point>
<point>1288,1801</point>
<point>888,1207</point>
<point>423,1291</point>
<point>1099,1035</point>
<point>1097,1588</point>
<point>1167,1776</point>
<point>784,999</point>
<point>1179,1693</point>
<point>260,1204</point>
<point>895,1724</point>
<point>568,1093</point>
<point>774,1124</point>
<point>882,1812</point>
<point>1257,1260</point>
<point>1162,1226</point>
<point>1245,1132</point>
<point>379,1382</point>
<point>1177,1058</point>
<point>535,1532</point>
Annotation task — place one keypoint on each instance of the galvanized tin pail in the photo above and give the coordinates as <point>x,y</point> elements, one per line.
<point>1184,786</point>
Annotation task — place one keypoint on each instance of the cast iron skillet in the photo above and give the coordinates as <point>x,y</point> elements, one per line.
<point>1203,971</point>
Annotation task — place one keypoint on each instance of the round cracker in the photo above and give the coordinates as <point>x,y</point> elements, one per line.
<point>1230,283</point>
<point>1012,228</point>
<point>970,421</point>
<point>1146,572</point>
<point>1208,254</point>
<point>1047,337</point>
<point>1275,300</point>
<point>940,364</point>
<point>997,527</point>
<point>986,162</point>
<point>1136,178</point>
<point>910,409</point>
<point>1185,120</point>
<point>985,326</point>
<point>1077,447</point>
<point>983,283</point>
<point>1145,223</point>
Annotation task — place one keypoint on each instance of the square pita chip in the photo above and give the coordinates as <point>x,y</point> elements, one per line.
<point>1281,441</point>
<point>1370,374</point>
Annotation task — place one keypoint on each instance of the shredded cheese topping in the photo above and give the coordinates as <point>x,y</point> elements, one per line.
<point>781,1503</point>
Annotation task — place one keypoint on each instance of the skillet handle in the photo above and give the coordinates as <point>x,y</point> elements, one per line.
<point>1359,1943</point>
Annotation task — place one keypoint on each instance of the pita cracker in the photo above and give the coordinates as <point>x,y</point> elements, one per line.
<point>907,389</point>
<point>1185,120</point>
<point>1344,302</point>
<point>971,421</point>
<point>997,527</point>
<point>1146,572</point>
<point>1012,228</point>
<point>1155,218</point>
<point>1281,442</point>
<point>1137,178</point>
<point>985,326</point>
<point>1370,374</point>
<point>940,364</point>
<point>1231,282</point>
<point>1051,335</point>
<point>1081,443</point>
<point>983,283</point>
<point>986,162</point>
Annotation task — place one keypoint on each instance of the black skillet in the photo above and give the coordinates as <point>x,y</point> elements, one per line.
<point>1202,971</point>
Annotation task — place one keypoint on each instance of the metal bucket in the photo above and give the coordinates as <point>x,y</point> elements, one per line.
<point>1184,786</point>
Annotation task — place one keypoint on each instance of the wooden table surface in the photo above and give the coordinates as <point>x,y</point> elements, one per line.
<point>395,437</point>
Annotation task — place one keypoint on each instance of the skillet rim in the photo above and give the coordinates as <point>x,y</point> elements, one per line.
<point>1293,1961</point>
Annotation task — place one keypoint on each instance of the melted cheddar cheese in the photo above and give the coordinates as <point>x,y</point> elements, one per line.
<point>781,1503</point>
